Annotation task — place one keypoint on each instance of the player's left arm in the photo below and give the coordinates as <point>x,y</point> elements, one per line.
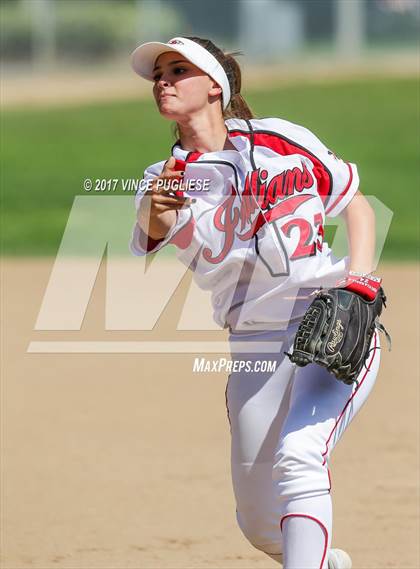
<point>337,329</point>
<point>360,221</point>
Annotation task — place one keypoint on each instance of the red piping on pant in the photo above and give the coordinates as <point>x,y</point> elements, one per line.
<point>324,454</point>
<point>324,529</point>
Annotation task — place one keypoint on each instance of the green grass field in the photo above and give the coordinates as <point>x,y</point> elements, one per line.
<point>46,154</point>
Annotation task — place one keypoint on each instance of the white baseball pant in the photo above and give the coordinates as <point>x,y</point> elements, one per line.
<point>284,426</point>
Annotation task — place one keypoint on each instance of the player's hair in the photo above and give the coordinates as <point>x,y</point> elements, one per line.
<point>237,107</point>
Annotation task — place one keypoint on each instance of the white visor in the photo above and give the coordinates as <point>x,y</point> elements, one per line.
<point>144,58</point>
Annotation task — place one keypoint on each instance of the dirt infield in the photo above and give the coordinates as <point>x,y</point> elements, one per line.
<point>122,460</point>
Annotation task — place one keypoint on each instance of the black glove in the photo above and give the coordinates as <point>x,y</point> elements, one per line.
<point>337,328</point>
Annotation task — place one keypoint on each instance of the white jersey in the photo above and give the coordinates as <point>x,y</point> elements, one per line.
<point>255,239</point>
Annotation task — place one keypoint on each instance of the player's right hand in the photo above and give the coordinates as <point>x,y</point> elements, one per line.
<point>157,214</point>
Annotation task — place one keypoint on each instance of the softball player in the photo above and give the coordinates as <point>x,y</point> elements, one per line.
<point>255,240</point>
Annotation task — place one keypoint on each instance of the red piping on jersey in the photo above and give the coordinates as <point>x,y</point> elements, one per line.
<point>193,156</point>
<point>324,529</point>
<point>324,454</point>
<point>344,192</point>
<point>284,147</point>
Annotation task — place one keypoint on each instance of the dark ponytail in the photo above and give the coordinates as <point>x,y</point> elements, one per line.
<point>237,107</point>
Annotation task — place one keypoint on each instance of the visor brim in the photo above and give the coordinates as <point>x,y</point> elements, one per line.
<point>144,57</point>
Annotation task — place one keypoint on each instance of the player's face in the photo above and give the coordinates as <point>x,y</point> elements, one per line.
<point>180,88</point>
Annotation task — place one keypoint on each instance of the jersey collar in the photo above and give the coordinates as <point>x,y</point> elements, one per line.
<point>239,142</point>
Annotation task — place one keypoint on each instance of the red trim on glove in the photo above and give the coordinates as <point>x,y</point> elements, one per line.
<point>366,287</point>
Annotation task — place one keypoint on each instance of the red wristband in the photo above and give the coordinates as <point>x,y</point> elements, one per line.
<point>367,286</point>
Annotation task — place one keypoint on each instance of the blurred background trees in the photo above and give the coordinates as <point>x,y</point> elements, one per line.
<point>50,32</point>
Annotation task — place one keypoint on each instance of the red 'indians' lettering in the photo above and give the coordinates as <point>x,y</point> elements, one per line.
<point>277,197</point>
